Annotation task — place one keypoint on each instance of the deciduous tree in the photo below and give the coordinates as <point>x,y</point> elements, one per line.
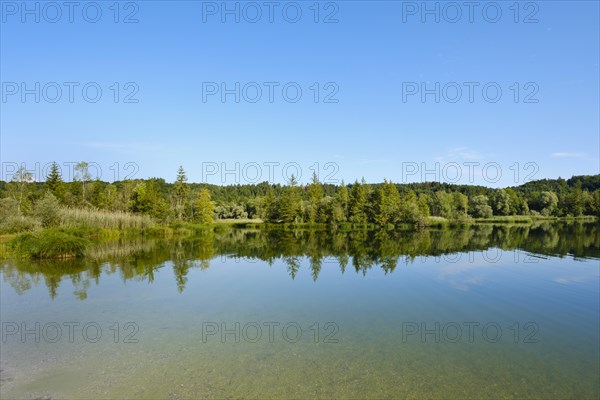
<point>204,208</point>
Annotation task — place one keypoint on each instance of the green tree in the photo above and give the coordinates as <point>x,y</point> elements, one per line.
<point>375,207</point>
<point>54,182</point>
<point>94,191</point>
<point>574,201</point>
<point>588,203</point>
<point>549,203</point>
<point>327,210</point>
<point>82,174</point>
<point>268,209</point>
<point>145,199</point>
<point>205,208</point>
<point>108,198</point>
<point>518,204</point>
<point>289,207</point>
<point>47,210</point>
<point>22,178</point>
<point>594,207</point>
<point>180,193</point>
<point>410,212</point>
<point>441,204</point>
<point>480,207</point>
<point>460,205</point>
<point>139,199</point>
<point>124,194</point>
<point>340,207</point>
<point>423,202</point>
<point>388,209</point>
<point>315,195</point>
<point>358,203</point>
<point>502,203</point>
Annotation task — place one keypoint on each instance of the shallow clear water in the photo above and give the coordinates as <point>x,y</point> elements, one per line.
<point>379,316</point>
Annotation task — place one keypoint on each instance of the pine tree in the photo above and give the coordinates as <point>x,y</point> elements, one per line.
<point>290,202</point>
<point>55,183</point>
<point>390,204</point>
<point>358,203</point>
<point>180,192</point>
<point>315,194</point>
<point>341,204</point>
<point>268,207</point>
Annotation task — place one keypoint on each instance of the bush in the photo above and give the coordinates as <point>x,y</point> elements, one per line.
<point>48,244</point>
<point>231,211</point>
<point>18,224</point>
<point>9,207</point>
<point>47,210</point>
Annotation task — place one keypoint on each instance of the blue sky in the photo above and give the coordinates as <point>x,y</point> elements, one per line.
<point>367,63</point>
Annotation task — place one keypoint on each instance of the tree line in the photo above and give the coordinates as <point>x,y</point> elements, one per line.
<point>381,204</point>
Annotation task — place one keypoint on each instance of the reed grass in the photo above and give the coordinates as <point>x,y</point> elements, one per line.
<point>76,217</point>
<point>49,243</point>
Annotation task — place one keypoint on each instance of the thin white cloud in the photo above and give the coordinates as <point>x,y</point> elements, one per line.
<point>461,153</point>
<point>562,154</point>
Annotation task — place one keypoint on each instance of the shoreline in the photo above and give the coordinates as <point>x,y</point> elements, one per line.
<point>73,242</point>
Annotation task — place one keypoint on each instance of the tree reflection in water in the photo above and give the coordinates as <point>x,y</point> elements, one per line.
<point>140,259</point>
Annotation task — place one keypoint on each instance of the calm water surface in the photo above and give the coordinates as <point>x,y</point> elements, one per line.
<point>484,312</point>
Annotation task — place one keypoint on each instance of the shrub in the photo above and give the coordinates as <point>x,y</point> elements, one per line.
<point>47,210</point>
<point>48,244</point>
<point>9,207</point>
<point>18,224</point>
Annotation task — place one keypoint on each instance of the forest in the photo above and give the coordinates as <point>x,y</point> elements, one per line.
<point>26,205</point>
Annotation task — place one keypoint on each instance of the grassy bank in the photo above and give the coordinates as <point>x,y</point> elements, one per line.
<point>524,219</point>
<point>72,218</point>
<point>61,232</point>
<point>48,244</point>
<point>76,230</point>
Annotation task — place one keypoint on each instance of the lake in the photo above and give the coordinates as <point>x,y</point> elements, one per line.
<point>487,311</point>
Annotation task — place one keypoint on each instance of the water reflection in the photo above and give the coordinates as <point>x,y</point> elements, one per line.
<point>359,250</point>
